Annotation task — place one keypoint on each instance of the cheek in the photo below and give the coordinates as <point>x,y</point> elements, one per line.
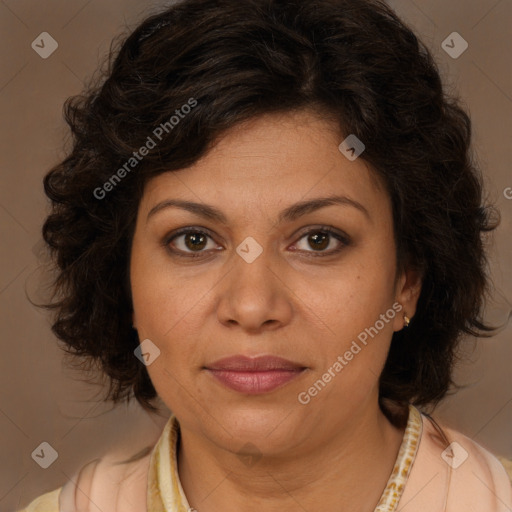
<point>168,310</point>
<point>350,298</point>
<point>160,296</point>
<point>349,311</point>
<point>373,285</point>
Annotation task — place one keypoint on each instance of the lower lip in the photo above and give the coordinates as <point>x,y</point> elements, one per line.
<point>254,383</point>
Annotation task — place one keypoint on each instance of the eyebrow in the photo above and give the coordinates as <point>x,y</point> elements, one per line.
<point>289,214</point>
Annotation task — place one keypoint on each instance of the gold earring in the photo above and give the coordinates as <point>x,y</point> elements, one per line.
<point>406,320</point>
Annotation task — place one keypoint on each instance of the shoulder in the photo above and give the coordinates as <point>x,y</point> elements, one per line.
<point>453,472</point>
<point>114,482</point>
<point>111,483</point>
<point>477,473</point>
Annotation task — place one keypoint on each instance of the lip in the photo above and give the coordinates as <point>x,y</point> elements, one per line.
<point>254,364</point>
<point>254,375</point>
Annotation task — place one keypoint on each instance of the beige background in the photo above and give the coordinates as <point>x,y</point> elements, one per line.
<point>40,400</point>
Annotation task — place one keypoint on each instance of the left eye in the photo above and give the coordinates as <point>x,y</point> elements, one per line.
<point>321,239</point>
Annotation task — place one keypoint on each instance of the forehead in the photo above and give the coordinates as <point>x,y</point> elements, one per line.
<point>270,162</point>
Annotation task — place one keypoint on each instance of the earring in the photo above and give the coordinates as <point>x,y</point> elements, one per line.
<point>406,320</point>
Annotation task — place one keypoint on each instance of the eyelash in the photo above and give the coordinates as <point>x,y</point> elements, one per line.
<point>344,239</point>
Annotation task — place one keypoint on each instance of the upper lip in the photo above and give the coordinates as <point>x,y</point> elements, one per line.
<point>254,364</point>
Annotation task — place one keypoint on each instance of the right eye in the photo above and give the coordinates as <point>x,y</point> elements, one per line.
<point>189,242</point>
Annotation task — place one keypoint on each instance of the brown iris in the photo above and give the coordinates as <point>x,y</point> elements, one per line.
<point>195,241</point>
<point>318,240</point>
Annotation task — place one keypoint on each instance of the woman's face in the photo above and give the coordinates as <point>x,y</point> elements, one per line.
<point>257,275</point>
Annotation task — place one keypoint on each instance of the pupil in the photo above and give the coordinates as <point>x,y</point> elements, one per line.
<point>197,241</point>
<point>319,240</point>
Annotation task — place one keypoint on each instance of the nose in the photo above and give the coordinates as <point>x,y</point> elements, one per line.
<point>255,296</point>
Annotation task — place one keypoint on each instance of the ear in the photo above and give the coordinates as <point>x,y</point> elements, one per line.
<point>407,293</point>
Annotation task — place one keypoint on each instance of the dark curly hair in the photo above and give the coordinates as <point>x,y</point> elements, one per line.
<point>352,60</point>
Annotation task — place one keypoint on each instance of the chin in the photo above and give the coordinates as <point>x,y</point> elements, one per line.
<point>268,428</point>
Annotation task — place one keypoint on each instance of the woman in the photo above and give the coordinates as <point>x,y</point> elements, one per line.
<point>270,220</point>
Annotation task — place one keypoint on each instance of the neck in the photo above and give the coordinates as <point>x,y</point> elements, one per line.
<point>344,467</point>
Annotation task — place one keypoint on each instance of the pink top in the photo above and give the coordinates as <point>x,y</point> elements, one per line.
<point>437,470</point>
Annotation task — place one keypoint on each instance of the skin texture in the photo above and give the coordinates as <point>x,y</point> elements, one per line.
<point>339,448</point>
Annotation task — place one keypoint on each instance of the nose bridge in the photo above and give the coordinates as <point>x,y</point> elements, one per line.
<point>252,263</point>
<point>253,294</point>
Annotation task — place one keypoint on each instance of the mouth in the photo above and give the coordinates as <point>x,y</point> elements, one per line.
<point>254,375</point>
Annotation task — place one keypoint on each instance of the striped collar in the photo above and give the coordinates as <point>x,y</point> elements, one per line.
<point>165,493</point>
